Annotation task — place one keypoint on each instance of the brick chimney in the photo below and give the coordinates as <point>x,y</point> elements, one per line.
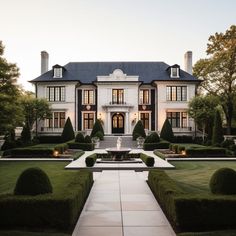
<point>44,62</point>
<point>188,65</point>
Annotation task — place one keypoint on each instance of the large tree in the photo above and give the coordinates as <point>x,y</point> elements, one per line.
<point>218,71</point>
<point>202,110</point>
<point>11,112</point>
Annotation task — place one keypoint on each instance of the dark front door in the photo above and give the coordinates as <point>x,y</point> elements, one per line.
<point>117,123</point>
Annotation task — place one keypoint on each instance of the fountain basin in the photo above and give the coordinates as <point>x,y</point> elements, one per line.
<point>118,154</point>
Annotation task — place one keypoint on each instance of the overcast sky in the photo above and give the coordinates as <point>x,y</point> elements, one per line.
<point>108,30</point>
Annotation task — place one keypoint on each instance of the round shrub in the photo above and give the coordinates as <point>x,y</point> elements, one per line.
<point>152,138</point>
<point>223,181</point>
<point>87,139</point>
<point>79,138</point>
<point>33,181</point>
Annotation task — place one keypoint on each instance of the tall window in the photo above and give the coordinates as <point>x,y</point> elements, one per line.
<point>175,72</point>
<point>144,96</point>
<point>88,120</point>
<point>56,121</point>
<point>176,93</point>
<point>144,117</point>
<point>88,97</point>
<point>177,119</point>
<point>118,96</point>
<point>55,94</point>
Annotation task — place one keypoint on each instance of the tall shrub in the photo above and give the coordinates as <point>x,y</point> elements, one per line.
<point>167,132</point>
<point>138,130</point>
<point>68,131</point>
<point>26,135</point>
<point>217,134</point>
<point>96,128</point>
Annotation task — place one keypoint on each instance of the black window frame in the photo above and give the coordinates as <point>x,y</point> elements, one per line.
<point>55,94</point>
<point>176,93</point>
<point>142,97</point>
<point>118,98</point>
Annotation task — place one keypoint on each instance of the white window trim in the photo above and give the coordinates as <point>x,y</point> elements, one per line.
<point>83,112</point>
<point>150,117</point>
<point>59,72</point>
<point>45,93</point>
<point>171,74</point>
<point>149,90</point>
<point>53,125</point>
<point>94,98</point>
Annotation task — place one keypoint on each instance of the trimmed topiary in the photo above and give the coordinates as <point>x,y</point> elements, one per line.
<point>167,132</point>
<point>152,138</point>
<point>138,130</point>
<point>68,131</point>
<point>217,136</point>
<point>99,135</point>
<point>223,181</point>
<point>26,135</point>
<point>87,139</point>
<point>33,181</point>
<point>97,127</point>
<point>79,138</point>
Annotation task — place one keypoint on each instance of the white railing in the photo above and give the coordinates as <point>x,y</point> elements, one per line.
<point>53,130</point>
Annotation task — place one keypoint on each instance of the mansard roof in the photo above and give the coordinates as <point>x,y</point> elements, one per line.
<point>87,72</point>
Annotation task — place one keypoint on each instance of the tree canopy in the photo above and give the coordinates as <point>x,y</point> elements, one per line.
<point>218,71</point>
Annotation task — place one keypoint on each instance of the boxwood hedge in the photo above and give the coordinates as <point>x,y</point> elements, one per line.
<point>149,161</point>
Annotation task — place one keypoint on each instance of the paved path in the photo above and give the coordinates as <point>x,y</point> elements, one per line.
<point>121,204</point>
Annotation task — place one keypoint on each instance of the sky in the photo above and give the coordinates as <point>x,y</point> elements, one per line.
<point>108,30</point>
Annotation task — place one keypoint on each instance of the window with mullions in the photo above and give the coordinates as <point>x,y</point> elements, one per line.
<point>144,117</point>
<point>117,96</point>
<point>177,119</point>
<point>56,121</point>
<point>88,97</point>
<point>88,119</point>
<point>176,93</point>
<point>55,94</point>
<point>144,96</point>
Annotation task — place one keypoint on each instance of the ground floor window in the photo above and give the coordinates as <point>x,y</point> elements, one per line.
<point>57,120</point>
<point>177,119</point>
<point>88,120</point>
<point>144,117</point>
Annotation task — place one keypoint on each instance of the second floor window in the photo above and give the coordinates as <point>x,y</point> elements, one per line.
<point>55,94</point>
<point>88,97</point>
<point>176,93</point>
<point>118,96</point>
<point>144,96</point>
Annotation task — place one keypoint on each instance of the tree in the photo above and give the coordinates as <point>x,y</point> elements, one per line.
<point>138,130</point>
<point>202,110</point>
<point>218,72</point>
<point>35,109</point>
<point>68,131</point>
<point>167,132</point>
<point>97,127</point>
<point>217,136</point>
<point>11,112</point>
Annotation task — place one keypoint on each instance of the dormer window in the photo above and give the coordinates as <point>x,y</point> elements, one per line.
<point>174,72</point>
<point>57,72</point>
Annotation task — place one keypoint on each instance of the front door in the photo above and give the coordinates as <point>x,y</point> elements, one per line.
<point>117,123</point>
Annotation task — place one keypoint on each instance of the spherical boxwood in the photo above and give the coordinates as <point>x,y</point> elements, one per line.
<point>33,181</point>
<point>223,181</point>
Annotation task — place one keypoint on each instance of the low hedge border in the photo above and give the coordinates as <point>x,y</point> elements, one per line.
<point>151,146</point>
<point>61,148</point>
<point>82,146</point>
<point>149,161</point>
<point>159,154</point>
<point>208,151</point>
<point>78,154</point>
<point>192,212</point>
<point>91,160</point>
<point>49,210</point>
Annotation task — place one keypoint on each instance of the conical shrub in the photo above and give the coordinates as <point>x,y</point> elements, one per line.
<point>97,127</point>
<point>167,132</point>
<point>68,131</point>
<point>217,136</point>
<point>138,130</point>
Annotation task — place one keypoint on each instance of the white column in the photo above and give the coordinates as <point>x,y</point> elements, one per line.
<point>127,122</point>
<point>109,122</point>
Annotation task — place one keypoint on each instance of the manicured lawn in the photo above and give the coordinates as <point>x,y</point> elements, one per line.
<point>9,172</point>
<point>194,176</point>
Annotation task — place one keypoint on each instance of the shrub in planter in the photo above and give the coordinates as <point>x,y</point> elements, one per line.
<point>152,138</point>
<point>79,138</point>
<point>90,160</point>
<point>99,135</point>
<point>167,132</point>
<point>138,130</point>
<point>223,181</point>
<point>33,181</point>
<point>87,139</point>
<point>68,131</point>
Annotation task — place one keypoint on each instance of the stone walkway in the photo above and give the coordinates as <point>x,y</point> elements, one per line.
<point>121,204</point>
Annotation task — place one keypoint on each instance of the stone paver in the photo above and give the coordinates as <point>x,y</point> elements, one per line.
<point>121,204</point>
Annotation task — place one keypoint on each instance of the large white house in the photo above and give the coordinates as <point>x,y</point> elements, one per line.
<point>117,93</point>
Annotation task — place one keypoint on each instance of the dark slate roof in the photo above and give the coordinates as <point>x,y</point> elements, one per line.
<point>87,72</point>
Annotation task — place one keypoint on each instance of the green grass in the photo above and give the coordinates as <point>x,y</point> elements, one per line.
<point>9,172</point>
<point>194,176</point>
